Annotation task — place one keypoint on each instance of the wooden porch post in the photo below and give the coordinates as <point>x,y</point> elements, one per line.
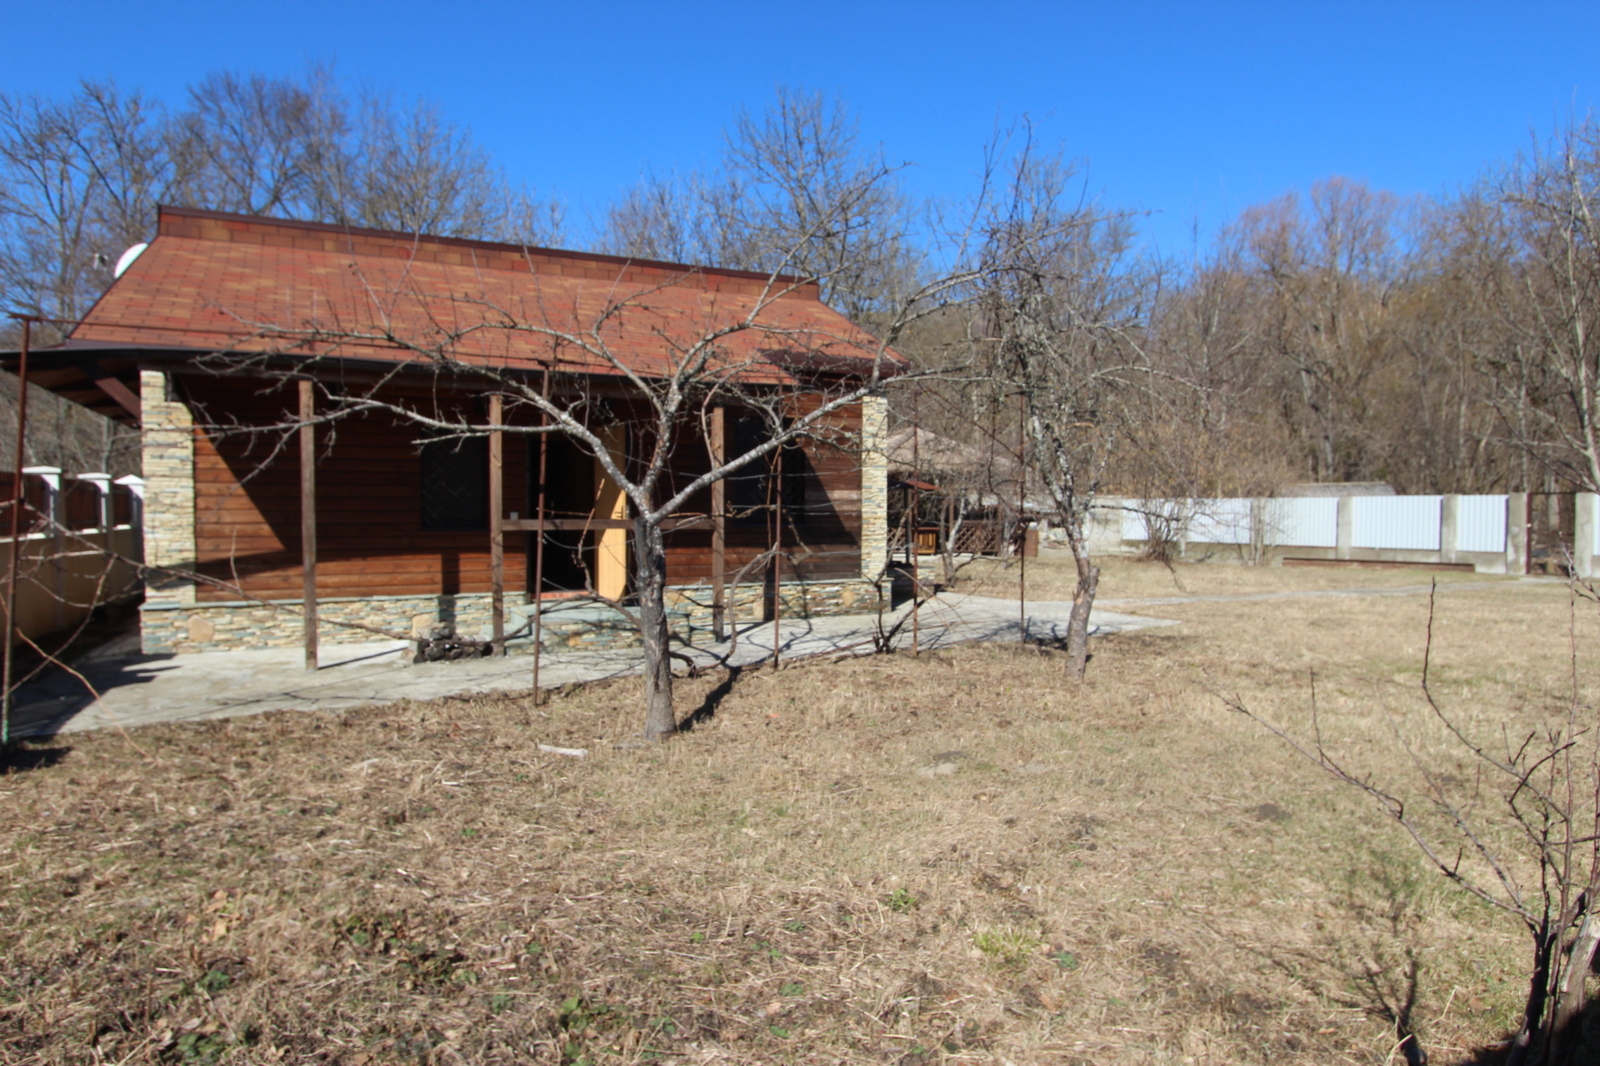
<point>719,538</point>
<point>538,540</point>
<point>497,536</point>
<point>308,518</point>
<point>777,558</point>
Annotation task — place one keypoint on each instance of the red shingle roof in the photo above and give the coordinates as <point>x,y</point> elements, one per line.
<point>212,281</point>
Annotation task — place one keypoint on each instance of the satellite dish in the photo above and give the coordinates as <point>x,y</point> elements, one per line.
<point>127,259</point>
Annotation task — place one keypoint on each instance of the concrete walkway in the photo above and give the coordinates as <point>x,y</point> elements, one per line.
<point>132,690</point>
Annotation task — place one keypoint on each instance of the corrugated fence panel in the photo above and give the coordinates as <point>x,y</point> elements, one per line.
<point>1396,522</point>
<point>1220,522</point>
<point>1302,522</point>
<point>1481,524</point>
<point>1133,520</point>
<point>1138,514</point>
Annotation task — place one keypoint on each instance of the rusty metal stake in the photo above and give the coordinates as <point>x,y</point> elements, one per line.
<point>308,518</point>
<point>16,532</point>
<point>538,540</point>
<point>777,557</point>
<point>497,534</point>
<point>719,535</point>
<point>916,518</point>
<point>1022,514</point>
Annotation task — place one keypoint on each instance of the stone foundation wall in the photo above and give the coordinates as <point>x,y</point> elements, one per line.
<point>168,626</point>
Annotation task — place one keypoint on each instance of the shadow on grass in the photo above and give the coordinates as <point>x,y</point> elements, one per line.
<point>22,758</point>
<point>708,706</point>
<point>1397,1005</point>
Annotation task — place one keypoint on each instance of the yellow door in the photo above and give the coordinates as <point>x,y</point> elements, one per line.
<point>611,545</point>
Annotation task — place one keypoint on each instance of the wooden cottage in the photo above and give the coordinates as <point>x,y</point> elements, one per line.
<point>218,336</point>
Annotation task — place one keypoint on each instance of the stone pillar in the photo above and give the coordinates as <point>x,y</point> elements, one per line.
<point>874,487</point>
<point>1517,533</point>
<point>1347,527</point>
<point>168,452</point>
<point>1583,524</point>
<point>1449,521</point>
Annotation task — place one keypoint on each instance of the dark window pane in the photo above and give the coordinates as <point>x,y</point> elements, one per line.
<point>748,486</point>
<point>455,484</point>
<point>796,473</point>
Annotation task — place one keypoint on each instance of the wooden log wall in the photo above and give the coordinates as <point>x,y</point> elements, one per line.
<point>369,474</point>
<point>370,540</point>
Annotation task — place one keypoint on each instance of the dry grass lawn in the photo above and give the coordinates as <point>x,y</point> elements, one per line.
<point>957,858</point>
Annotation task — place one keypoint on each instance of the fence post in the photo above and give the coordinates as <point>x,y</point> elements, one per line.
<point>53,508</point>
<point>1517,533</point>
<point>1449,523</point>
<point>1583,529</point>
<point>1258,530</point>
<point>102,485</point>
<point>135,486</point>
<point>1347,527</point>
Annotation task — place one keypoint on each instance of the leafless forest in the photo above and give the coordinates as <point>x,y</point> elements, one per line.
<point>1441,345</point>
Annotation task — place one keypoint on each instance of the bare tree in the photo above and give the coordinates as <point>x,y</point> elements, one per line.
<point>1533,242</point>
<point>786,376</point>
<point>794,376</point>
<point>80,178</point>
<point>794,190</point>
<point>1061,313</point>
<point>1516,825</point>
<point>79,181</point>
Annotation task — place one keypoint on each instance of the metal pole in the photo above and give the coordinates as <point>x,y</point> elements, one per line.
<point>719,535</point>
<point>16,534</point>
<point>497,535</point>
<point>1022,515</point>
<point>308,518</point>
<point>777,555</point>
<point>916,518</point>
<point>538,542</point>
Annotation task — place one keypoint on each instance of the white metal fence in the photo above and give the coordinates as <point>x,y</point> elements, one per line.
<point>1311,522</point>
<point>1381,523</point>
<point>1481,523</point>
<point>1396,523</point>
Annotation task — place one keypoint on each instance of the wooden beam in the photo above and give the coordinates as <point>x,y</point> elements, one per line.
<point>497,536</point>
<point>719,539</point>
<point>534,525</point>
<point>308,518</point>
<point>113,387</point>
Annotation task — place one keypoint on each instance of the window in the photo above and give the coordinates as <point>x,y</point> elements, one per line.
<point>455,484</point>
<point>796,468</point>
<point>750,488</point>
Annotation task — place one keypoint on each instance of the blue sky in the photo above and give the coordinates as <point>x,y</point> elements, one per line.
<point>1190,111</point>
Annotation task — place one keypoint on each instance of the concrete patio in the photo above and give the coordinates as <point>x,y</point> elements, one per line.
<point>130,690</point>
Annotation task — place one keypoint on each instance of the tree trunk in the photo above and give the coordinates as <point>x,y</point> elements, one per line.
<point>650,573</point>
<point>1082,602</point>
<point>1531,1041</point>
<point>1571,992</point>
